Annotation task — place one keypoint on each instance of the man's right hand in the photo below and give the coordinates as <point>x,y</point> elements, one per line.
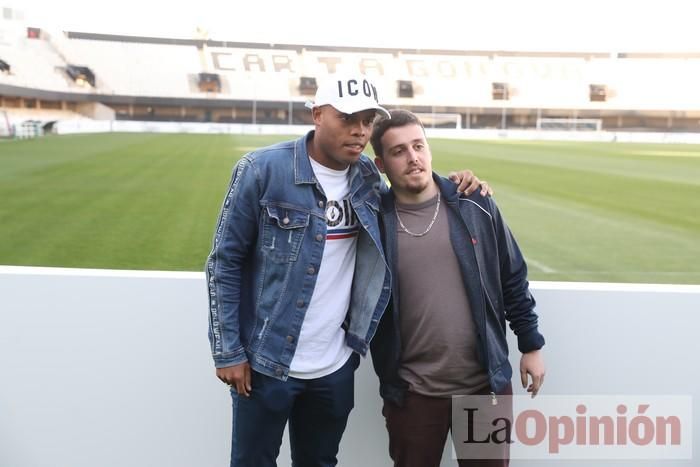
<point>237,376</point>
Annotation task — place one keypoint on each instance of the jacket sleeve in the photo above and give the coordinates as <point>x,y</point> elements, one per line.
<point>385,358</point>
<point>381,346</point>
<point>519,303</point>
<point>235,235</point>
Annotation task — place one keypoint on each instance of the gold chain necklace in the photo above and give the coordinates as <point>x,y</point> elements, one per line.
<point>430,226</point>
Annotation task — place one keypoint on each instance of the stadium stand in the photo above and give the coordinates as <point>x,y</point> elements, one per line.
<point>35,65</point>
<point>159,79</point>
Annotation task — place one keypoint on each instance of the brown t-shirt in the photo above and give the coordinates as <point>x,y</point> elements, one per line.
<point>438,337</point>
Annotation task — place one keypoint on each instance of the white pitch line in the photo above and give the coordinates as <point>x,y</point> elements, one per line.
<point>694,154</point>
<point>541,266</point>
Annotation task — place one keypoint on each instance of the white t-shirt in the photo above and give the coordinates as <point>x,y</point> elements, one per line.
<point>321,348</point>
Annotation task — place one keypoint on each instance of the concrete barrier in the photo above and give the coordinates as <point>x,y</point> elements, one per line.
<point>112,368</point>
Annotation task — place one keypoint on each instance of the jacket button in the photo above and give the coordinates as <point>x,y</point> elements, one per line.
<point>319,237</point>
<point>311,270</point>
<point>320,204</point>
<point>278,371</point>
<point>290,339</point>
<point>300,303</point>
<point>285,221</point>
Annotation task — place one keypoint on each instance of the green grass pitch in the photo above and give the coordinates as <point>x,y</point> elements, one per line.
<point>580,211</point>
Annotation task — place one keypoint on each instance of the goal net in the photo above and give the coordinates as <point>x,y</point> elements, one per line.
<point>440,120</point>
<point>570,124</point>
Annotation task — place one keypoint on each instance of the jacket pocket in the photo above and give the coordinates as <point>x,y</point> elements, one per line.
<point>283,232</point>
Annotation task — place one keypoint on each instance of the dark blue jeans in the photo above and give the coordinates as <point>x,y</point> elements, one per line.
<point>317,411</point>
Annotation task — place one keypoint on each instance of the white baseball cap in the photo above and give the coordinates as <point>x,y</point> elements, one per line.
<point>348,94</point>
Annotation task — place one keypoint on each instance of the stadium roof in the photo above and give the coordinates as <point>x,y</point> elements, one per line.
<point>390,50</point>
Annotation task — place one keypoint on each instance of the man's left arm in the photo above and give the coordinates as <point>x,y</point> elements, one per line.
<point>467,183</point>
<point>519,304</point>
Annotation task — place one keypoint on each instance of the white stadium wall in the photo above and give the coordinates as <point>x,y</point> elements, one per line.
<point>112,368</point>
<point>76,126</point>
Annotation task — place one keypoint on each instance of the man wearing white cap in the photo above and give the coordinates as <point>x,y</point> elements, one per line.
<point>298,281</point>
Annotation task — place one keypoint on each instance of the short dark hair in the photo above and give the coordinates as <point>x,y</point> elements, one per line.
<point>399,118</point>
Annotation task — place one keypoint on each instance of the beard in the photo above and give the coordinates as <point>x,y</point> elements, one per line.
<point>417,187</point>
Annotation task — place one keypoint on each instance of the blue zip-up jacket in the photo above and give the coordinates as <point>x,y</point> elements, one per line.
<point>267,251</point>
<point>495,278</point>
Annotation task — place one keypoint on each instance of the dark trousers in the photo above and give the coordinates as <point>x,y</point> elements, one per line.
<point>418,431</point>
<point>317,411</point>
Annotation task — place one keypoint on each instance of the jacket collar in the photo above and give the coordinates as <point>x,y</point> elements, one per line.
<point>304,173</point>
<point>448,189</point>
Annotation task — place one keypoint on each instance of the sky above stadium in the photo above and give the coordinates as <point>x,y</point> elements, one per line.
<point>546,25</point>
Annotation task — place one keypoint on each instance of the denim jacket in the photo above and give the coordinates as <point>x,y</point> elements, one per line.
<point>267,251</point>
<point>495,278</point>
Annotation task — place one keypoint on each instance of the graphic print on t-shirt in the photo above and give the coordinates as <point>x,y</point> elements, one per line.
<point>341,220</point>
